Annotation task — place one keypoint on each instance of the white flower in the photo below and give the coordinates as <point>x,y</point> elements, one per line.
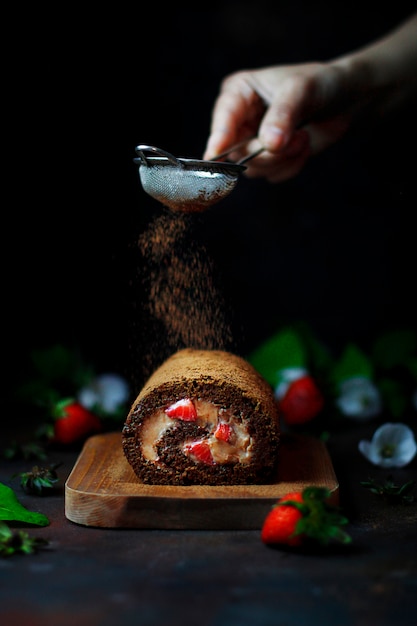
<point>286,376</point>
<point>108,392</point>
<point>392,445</point>
<point>359,398</point>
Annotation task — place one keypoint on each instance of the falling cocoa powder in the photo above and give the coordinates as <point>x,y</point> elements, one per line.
<point>177,299</point>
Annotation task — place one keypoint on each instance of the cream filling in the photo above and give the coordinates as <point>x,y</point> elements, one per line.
<point>151,431</point>
<point>237,450</point>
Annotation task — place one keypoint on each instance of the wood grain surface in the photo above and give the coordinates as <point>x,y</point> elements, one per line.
<point>103,491</point>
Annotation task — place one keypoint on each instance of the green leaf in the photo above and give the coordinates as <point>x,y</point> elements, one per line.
<point>282,350</point>
<point>353,362</point>
<point>55,363</point>
<point>395,397</point>
<point>319,356</point>
<point>321,521</point>
<point>392,493</point>
<point>394,349</point>
<point>12,510</point>
<point>30,450</point>
<point>13,542</point>
<point>39,480</point>
<point>56,371</point>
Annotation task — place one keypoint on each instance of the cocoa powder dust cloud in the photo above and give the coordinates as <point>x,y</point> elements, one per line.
<point>176,295</point>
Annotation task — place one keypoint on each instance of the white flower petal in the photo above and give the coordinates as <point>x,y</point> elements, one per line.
<point>392,445</point>
<point>366,449</point>
<point>107,391</point>
<point>287,376</point>
<point>359,398</point>
<point>87,397</point>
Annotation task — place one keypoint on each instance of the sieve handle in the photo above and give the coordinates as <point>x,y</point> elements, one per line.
<point>239,145</point>
<point>141,149</point>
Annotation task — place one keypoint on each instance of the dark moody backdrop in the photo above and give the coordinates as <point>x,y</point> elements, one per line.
<point>334,247</point>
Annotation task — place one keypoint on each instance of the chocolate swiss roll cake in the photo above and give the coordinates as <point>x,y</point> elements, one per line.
<point>204,417</point>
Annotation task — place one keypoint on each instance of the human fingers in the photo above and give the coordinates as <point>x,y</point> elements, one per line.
<point>283,165</point>
<point>236,114</point>
<point>294,99</point>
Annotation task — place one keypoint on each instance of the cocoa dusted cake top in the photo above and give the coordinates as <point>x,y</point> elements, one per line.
<point>208,366</point>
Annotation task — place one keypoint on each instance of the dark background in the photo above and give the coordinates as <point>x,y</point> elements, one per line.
<point>334,247</point>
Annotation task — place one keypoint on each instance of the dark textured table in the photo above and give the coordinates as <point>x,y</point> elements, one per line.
<point>90,576</point>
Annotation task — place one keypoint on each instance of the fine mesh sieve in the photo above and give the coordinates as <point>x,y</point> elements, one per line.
<point>186,185</point>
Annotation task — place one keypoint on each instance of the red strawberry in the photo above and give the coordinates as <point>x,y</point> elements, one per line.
<point>223,431</point>
<point>301,516</point>
<point>200,451</point>
<point>74,422</point>
<point>302,401</point>
<point>182,410</point>
<point>280,524</point>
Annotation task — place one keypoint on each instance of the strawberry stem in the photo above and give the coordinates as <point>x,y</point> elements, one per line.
<point>320,520</point>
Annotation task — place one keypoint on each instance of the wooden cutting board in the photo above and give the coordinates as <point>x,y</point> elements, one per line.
<point>103,491</point>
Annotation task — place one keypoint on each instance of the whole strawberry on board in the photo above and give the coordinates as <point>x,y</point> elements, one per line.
<point>73,422</point>
<point>303,517</point>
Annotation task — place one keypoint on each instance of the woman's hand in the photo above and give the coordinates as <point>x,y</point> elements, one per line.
<point>297,111</point>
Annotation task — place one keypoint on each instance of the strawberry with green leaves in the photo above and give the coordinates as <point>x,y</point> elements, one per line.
<point>280,525</point>
<point>304,516</point>
<point>291,361</point>
<point>302,401</point>
<point>39,480</point>
<point>73,422</point>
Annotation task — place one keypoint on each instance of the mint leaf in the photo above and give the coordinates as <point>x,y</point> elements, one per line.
<point>321,521</point>
<point>12,510</point>
<point>353,362</point>
<point>282,350</point>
